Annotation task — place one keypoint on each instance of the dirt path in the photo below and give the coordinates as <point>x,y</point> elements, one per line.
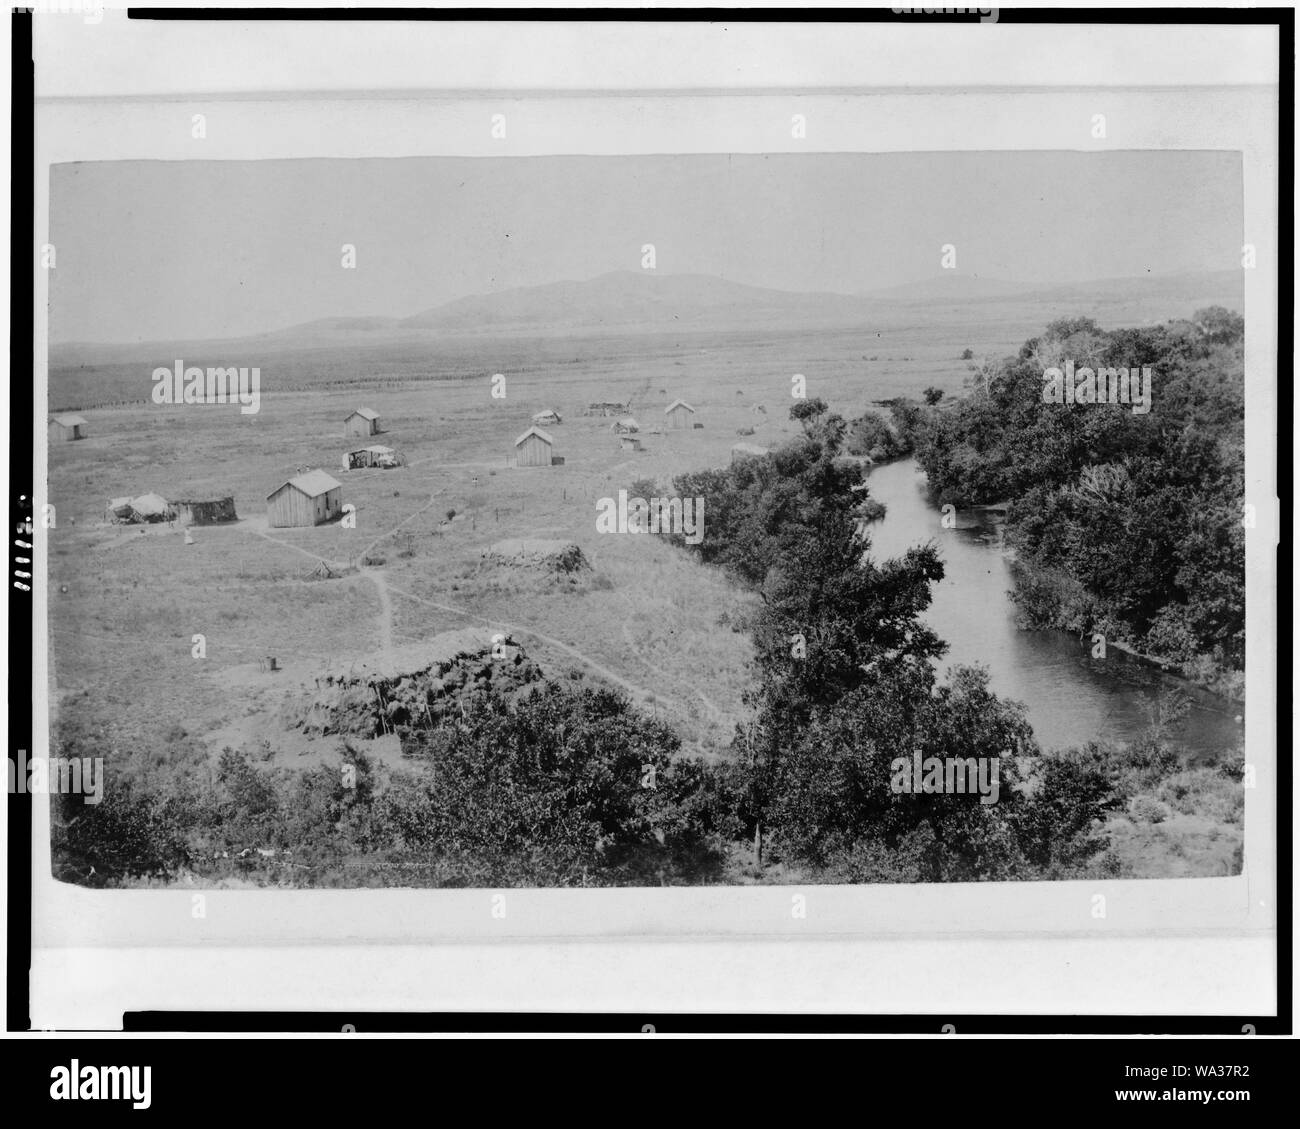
<point>379,580</point>
<point>298,549</point>
<point>386,591</point>
<point>409,517</point>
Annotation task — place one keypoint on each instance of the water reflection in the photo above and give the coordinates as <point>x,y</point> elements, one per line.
<point>1071,697</point>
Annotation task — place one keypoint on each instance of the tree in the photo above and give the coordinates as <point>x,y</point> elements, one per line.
<point>807,411</point>
<point>1219,325</point>
<point>932,395</point>
<point>567,785</point>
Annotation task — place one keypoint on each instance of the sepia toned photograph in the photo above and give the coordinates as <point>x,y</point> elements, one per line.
<point>656,520</point>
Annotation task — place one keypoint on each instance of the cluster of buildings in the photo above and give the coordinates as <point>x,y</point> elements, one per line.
<point>307,499</point>
<point>314,497</point>
<point>534,447</point>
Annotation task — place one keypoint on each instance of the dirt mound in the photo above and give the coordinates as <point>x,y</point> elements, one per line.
<point>559,556</point>
<point>414,685</point>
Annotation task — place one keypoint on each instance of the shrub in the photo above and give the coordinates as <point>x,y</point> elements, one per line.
<point>1145,809</point>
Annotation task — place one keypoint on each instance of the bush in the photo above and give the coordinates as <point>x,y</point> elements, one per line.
<point>646,488</point>
<point>1145,809</point>
<point>128,834</point>
<point>569,786</point>
<point>1204,791</point>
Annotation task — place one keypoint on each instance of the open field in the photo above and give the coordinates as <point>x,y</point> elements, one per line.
<point>890,360</point>
<point>127,600</point>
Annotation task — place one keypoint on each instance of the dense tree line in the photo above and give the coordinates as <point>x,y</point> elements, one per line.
<point>1126,523</point>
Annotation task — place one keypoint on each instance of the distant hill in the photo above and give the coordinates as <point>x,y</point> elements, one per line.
<point>646,302</point>
<point>952,286</point>
<point>631,299</point>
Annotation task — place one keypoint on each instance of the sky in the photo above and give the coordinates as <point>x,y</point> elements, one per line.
<point>177,250</point>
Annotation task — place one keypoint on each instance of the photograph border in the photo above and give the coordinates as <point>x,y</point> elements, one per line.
<point>85,921</point>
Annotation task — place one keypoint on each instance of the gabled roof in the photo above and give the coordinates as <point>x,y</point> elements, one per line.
<point>314,483</point>
<point>678,403</point>
<point>534,431</point>
<point>368,413</point>
<point>70,421</point>
<point>377,449</point>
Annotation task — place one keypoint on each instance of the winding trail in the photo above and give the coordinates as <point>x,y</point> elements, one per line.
<point>409,517</point>
<point>386,590</point>
<point>262,533</point>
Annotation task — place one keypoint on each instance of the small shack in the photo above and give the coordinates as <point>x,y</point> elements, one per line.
<point>625,426</point>
<point>204,511</point>
<point>150,508</point>
<point>533,448</point>
<point>547,417</point>
<point>308,499</point>
<point>679,414</point>
<point>364,421</point>
<point>375,455</point>
<point>147,509</point>
<point>630,443</point>
<point>65,428</point>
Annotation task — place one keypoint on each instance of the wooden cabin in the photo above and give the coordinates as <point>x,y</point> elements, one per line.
<point>679,414</point>
<point>533,448</point>
<point>307,499</point>
<point>364,421</point>
<point>65,428</point>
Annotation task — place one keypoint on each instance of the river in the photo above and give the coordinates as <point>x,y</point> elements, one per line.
<point>1070,696</point>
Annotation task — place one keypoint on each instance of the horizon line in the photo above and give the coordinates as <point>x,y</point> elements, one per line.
<point>878,293</point>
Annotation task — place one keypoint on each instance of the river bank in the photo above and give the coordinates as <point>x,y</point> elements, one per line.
<point>1072,694</point>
